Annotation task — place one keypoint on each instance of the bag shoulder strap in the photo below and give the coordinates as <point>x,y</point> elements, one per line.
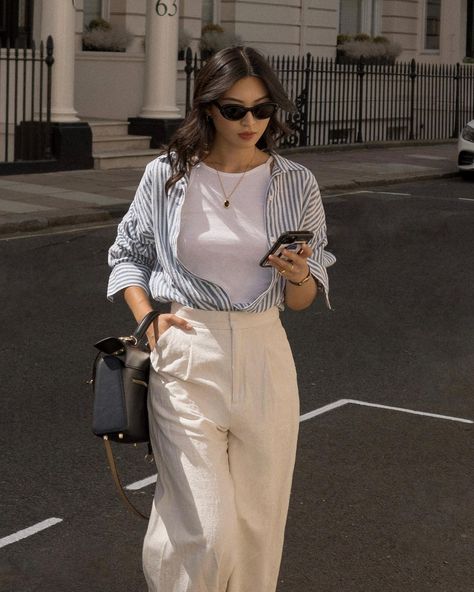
<point>137,335</point>
<point>116,478</point>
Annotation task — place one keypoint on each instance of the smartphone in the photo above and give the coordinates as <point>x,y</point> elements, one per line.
<point>291,240</point>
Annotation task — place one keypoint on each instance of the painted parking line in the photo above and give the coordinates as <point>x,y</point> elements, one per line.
<point>345,193</point>
<point>411,411</point>
<point>142,483</point>
<point>369,191</point>
<point>466,198</point>
<point>35,528</point>
<point>342,402</point>
<point>27,532</point>
<point>390,193</point>
<point>320,411</point>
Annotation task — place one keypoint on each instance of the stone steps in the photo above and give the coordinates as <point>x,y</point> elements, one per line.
<point>114,148</point>
<point>120,143</point>
<point>126,159</point>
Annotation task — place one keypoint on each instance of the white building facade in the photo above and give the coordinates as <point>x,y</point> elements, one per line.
<point>147,80</point>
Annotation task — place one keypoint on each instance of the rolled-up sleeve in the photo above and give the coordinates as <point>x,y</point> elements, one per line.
<point>132,257</point>
<point>314,219</point>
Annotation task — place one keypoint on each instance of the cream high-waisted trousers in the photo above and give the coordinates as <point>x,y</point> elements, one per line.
<point>224,418</point>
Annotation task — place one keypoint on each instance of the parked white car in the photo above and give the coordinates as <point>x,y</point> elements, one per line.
<point>466,149</point>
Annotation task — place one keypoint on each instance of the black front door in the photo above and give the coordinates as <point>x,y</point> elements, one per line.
<point>470,29</point>
<point>16,22</point>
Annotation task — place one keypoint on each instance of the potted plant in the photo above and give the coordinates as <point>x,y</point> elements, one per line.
<point>215,38</point>
<point>101,36</point>
<point>184,41</point>
<point>374,50</point>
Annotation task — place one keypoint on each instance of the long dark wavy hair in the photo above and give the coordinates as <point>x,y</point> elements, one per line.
<point>194,138</point>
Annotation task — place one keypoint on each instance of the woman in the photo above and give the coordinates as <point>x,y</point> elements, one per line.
<point>223,398</point>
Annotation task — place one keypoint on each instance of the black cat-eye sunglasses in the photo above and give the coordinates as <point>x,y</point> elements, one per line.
<point>236,112</point>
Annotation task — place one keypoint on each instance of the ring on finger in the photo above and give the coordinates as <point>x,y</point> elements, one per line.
<point>282,271</point>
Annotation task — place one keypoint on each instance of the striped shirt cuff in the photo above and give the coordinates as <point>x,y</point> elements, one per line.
<point>320,274</point>
<point>128,274</point>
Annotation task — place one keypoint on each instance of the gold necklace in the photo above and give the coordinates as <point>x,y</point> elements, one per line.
<point>227,197</point>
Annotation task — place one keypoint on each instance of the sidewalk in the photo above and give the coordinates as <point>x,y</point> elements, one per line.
<point>38,201</point>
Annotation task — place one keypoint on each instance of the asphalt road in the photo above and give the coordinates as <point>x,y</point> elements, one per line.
<point>382,498</point>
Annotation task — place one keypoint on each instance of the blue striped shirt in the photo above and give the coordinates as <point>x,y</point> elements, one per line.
<point>145,251</point>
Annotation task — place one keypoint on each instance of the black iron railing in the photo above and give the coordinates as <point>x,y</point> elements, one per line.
<point>25,102</point>
<point>364,102</point>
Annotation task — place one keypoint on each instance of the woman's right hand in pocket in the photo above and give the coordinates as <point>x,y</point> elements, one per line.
<point>163,323</point>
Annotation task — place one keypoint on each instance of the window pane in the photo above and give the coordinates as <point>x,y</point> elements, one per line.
<point>349,17</point>
<point>433,17</point>
<point>22,21</point>
<point>92,10</point>
<point>207,11</point>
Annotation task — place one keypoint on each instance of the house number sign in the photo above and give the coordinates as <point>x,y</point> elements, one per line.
<point>166,8</point>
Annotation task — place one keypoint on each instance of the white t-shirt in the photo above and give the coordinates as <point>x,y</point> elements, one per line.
<point>224,245</point>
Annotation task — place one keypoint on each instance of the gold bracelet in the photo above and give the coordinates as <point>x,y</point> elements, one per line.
<point>303,281</point>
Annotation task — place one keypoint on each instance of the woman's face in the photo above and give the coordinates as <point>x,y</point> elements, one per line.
<point>245,132</point>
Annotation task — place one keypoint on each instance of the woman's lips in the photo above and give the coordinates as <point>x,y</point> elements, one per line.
<point>247,135</point>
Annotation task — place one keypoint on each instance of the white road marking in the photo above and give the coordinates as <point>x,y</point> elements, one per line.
<point>367,191</point>
<point>390,193</point>
<point>466,198</point>
<point>325,409</point>
<point>31,530</point>
<point>322,410</point>
<point>346,193</point>
<point>342,402</point>
<point>27,532</point>
<point>412,411</point>
<point>142,483</point>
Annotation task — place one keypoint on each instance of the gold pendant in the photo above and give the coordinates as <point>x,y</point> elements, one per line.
<point>226,203</point>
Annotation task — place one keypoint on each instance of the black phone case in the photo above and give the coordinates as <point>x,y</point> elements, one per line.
<point>286,239</point>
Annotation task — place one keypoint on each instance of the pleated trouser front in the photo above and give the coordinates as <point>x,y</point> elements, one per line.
<point>224,418</point>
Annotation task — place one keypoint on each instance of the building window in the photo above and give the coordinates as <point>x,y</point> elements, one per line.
<point>208,13</point>
<point>470,29</point>
<point>349,17</point>
<point>95,9</point>
<point>432,24</point>
<point>16,22</point>
<point>359,16</point>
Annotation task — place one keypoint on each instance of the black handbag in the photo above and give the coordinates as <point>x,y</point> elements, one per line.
<point>120,386</point>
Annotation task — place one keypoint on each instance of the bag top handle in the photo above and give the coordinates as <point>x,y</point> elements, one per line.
<point>144,324</point>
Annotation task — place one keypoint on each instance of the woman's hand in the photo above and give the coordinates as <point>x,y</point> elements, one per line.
<point>162,324</point>
<point>295,266</point>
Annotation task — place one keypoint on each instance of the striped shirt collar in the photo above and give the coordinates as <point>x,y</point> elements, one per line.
<point>281,165</point>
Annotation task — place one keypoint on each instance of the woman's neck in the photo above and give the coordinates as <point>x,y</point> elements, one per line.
<point>236,161</point>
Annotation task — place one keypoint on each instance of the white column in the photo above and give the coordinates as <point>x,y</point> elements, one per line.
<point>58,20</point>
<point>161,62</point>
<point>303,26</point>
